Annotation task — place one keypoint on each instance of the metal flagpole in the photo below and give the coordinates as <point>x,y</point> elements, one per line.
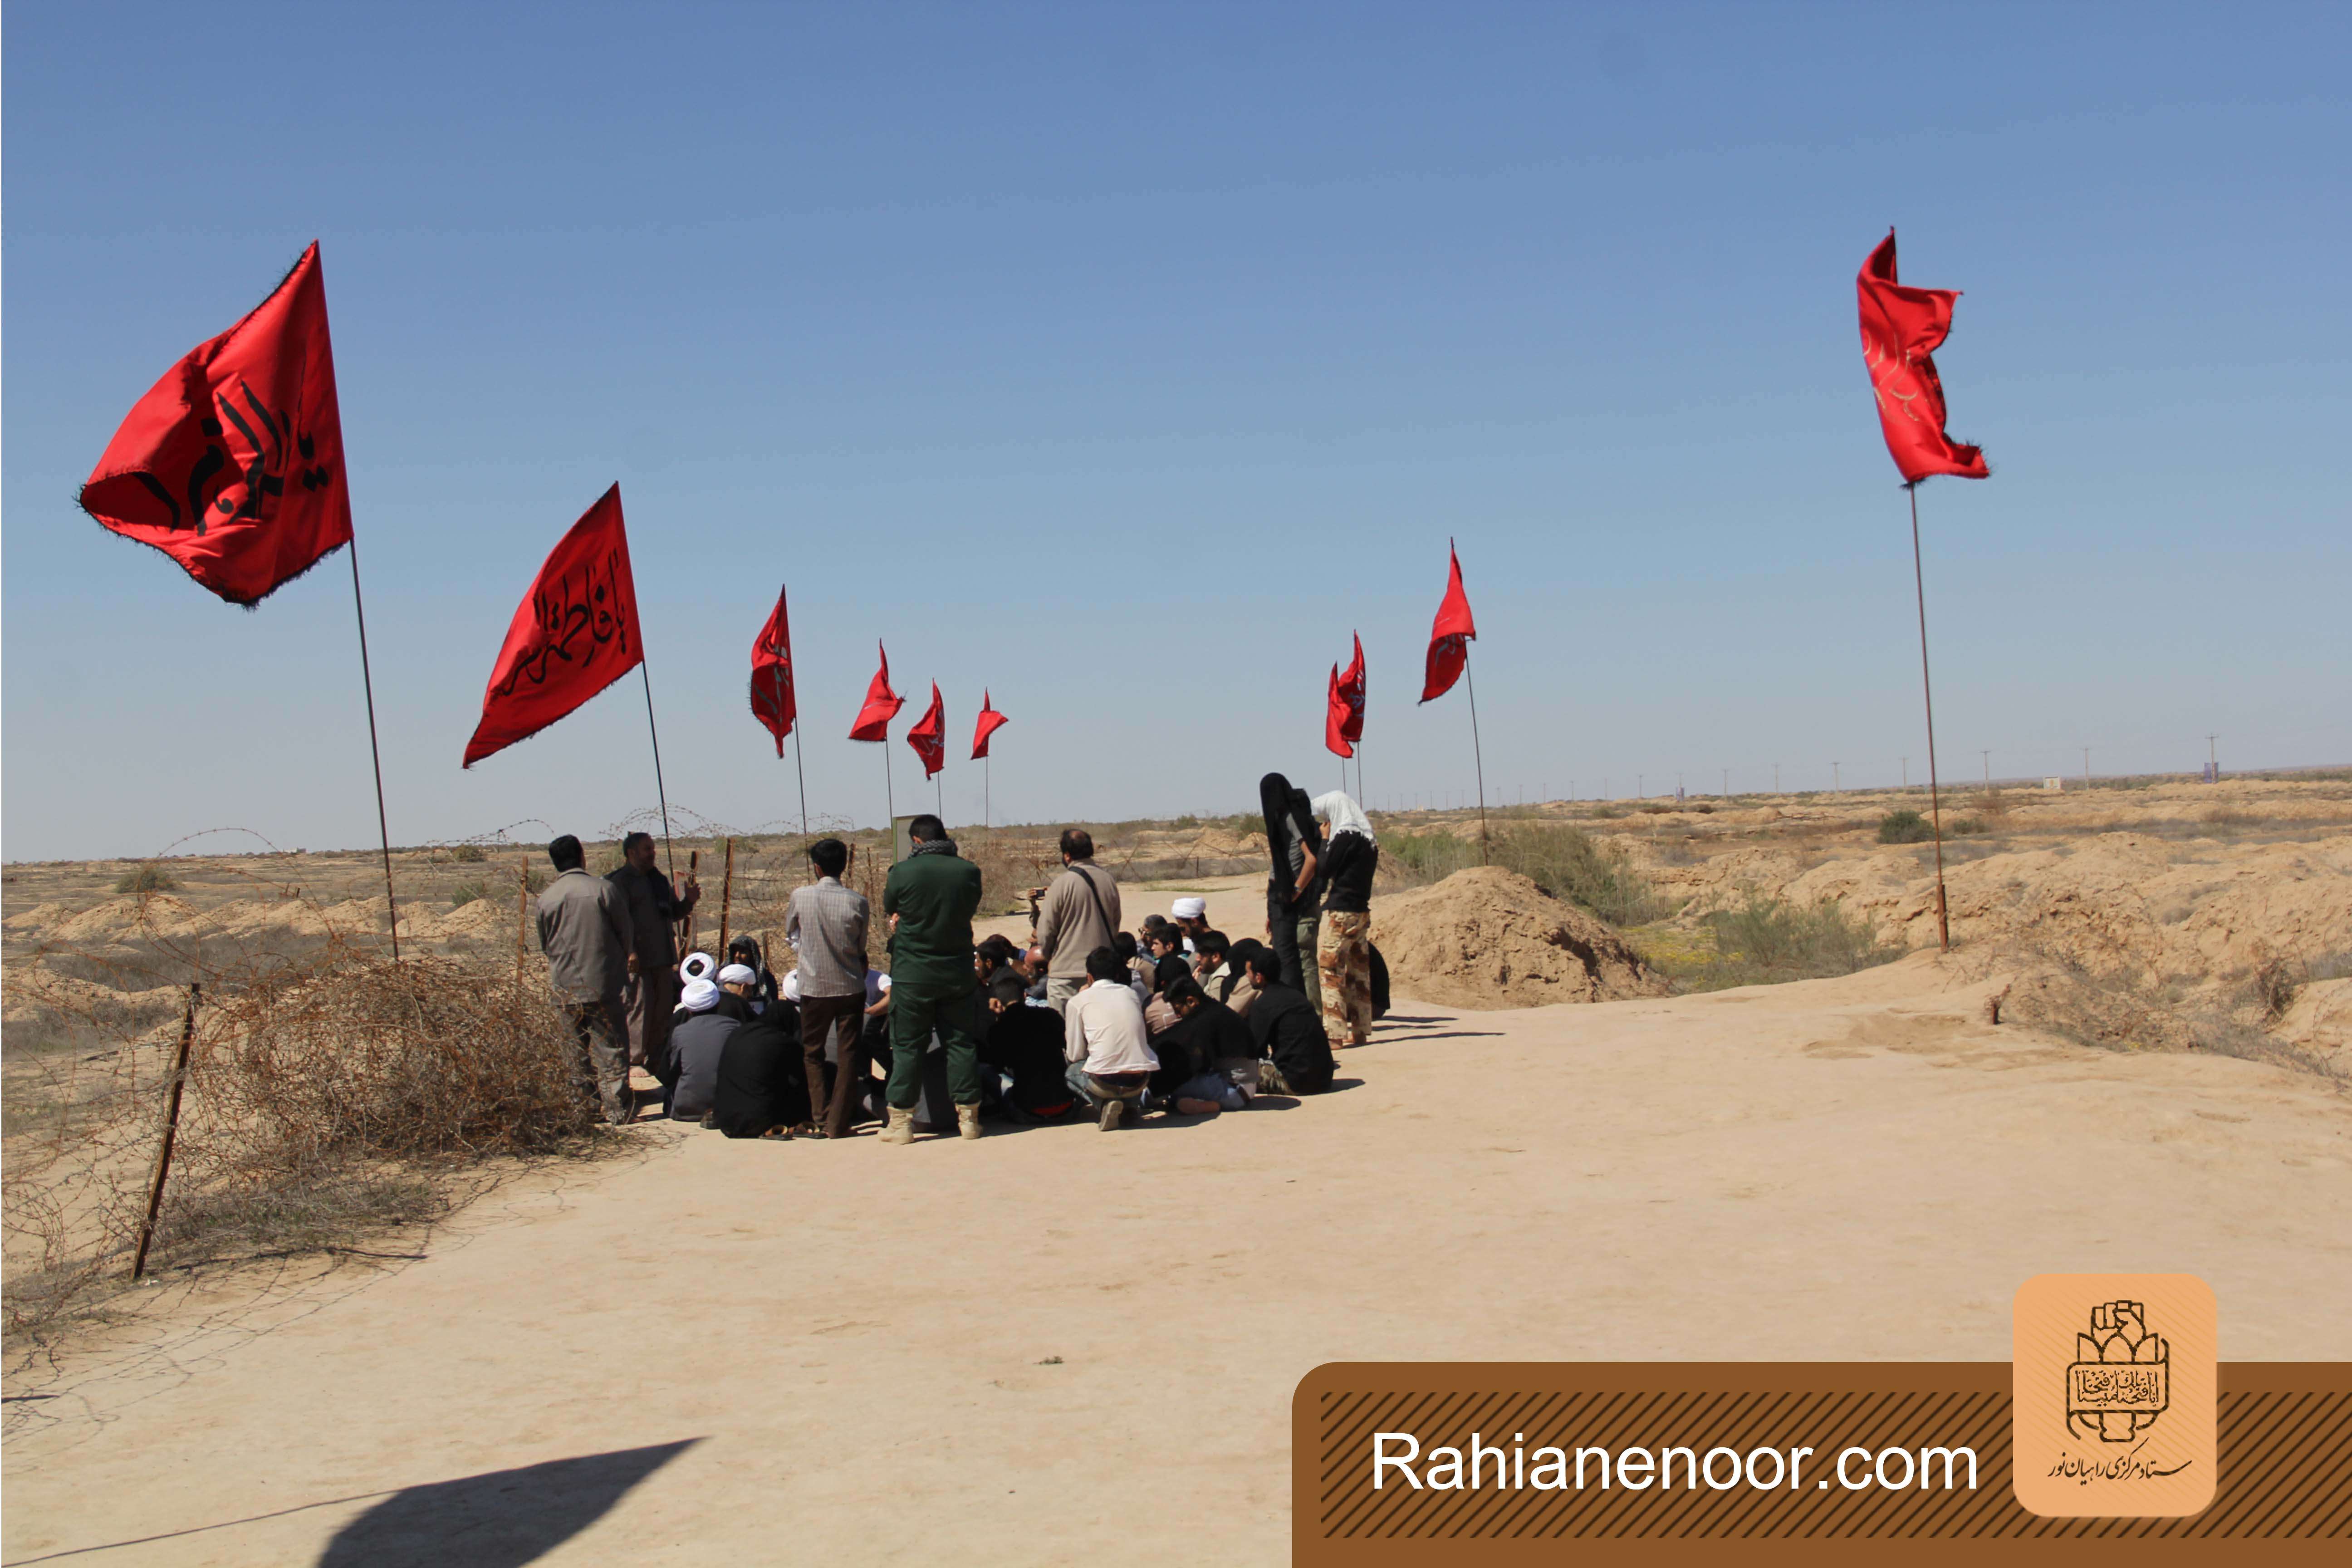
<point>1476,754</point>
<point>987,793</point>
<point>1935,803</point>
<point>889,801</point>
<point>798,770</point>
<point>669,859</point>
<point>375,751</point>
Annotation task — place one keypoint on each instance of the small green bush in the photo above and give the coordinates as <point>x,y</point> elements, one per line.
<point>1770,940</point>
<point>149,878</point>
<point>1903,826</point>
<point>464,893</point>
<point>1565,862</point>
<point>1963,826</point>
<point>468,854</point>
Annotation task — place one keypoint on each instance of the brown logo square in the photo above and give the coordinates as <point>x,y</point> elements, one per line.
<point>2114,1395</point>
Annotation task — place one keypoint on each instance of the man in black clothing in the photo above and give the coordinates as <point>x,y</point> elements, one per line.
<point>1224,1058</point>
<point>1287,1029</point>
<point>763,1088</point>
<point>1024,1042</point>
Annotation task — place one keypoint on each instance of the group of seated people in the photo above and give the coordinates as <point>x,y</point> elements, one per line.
<point>1157,1028</point>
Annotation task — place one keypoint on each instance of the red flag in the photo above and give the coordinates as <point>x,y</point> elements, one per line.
<point>1343,707</point>
<point>774,702</point>
<point>233,463</point>
<point>574,634</point>
<point>1351,691</point>
<point>990,721</point>
<point>882,705</point>
<point>1900,328</point>
<point>1334,720</point>
<point>929,735</point>
<point>1450,636</point>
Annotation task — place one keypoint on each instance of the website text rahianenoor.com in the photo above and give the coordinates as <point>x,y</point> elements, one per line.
<point>1397,1461</point>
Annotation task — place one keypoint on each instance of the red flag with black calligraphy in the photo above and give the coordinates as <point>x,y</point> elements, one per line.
<point>233,463</point>
<point>929,735</point>
<point>774,702</point>
<point>574,634</point>
<point>1901,329</point>
<point>882,704</point>
<point>1450,636</point>
<point>990,721</point>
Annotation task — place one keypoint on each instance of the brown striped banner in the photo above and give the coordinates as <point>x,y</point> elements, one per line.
<point>1774,1453</point>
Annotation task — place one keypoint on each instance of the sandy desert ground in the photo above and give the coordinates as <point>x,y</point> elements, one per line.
<point>1056,1345</point>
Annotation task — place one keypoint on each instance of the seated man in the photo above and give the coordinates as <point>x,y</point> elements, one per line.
<point>763,1086</point>
<point>1241,986</point>
<point>1209,963</point>
<point>1110,1059</point>
<point>696,1045</point>
<point>1023,1043</point>
<point>992,954</point>
<point>744,949</point>
<point>1166,942</point>
<point>1287,1029</point>
<point>1191,917</point>
<point>1222,1053</point>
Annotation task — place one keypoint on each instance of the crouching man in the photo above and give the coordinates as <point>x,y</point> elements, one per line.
<point>1103,1040</point>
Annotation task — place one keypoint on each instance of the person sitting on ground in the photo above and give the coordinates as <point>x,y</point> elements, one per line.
<point>1209,962</point>
<point>1023,1045</point>
<point>1158,1015</point>
<point>1167,941</point>
<point>1220,1045</point>
<point>763,1086</point>
<point>1139,968</point>
<point>1147,932</point>
<point>1110,1057</point>
<point>697,967</point>
<point>696,1045</point>
<point>1287,1029</point>
<point>992,954</point>
<point>1191,916</point>
<point>744,949</point>
<point>1241,986</point>
<point>1080,913</point>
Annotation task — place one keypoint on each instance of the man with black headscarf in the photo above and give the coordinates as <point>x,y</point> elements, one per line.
<point>1292,893</point>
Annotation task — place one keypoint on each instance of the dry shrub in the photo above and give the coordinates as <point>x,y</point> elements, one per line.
<point>324,1101</point>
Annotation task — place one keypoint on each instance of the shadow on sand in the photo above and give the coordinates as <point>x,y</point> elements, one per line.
<point>501,1520</point>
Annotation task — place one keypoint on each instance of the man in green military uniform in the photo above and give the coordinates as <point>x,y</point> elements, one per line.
<point>929,900</point>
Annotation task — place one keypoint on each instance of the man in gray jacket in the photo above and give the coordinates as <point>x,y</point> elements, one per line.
<point>584,930</point>
<point>1080,914</point>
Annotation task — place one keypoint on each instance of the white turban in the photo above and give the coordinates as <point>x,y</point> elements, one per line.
<point>736,974</point>
<point>700,995</point>
<point>698,966</point>
<point>1188,909</point>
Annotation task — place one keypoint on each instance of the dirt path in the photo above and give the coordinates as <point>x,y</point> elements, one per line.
<point>1055,1345</point>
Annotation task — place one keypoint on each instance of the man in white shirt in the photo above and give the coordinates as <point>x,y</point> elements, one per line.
<point>1105,1042</point>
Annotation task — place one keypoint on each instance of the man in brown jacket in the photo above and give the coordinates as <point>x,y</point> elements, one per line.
<point>584,930</point>
<point>655,909</point>
<point>1080,914</point>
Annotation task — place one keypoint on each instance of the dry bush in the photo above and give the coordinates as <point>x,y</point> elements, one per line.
<point>323,1101</point>
<point>149,878</point>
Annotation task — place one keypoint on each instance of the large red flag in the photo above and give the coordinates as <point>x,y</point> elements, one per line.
<point>1450,636</point>
<point>574,634</point>
<point>1334,720</point>
<point>1900,328</point>
<point>882,704</point>
<point>990,721</point>
<point>774,702</point>
<point>233,463</point>
<point>929,735</point>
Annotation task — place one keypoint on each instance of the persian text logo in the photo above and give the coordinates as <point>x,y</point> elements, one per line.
<point>2120,1381</point>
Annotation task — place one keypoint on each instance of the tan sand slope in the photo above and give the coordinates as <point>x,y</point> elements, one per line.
<point>1062,1346</point>
<point>1486,937</point>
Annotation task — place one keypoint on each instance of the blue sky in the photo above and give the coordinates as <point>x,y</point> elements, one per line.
<point>1125,359</point>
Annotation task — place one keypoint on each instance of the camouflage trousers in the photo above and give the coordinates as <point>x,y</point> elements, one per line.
<point>1343,958</point>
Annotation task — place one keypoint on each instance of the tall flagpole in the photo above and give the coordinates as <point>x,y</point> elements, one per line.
<point>889,801</point>
<point>798,771</point>
<point>987,794</point>
<point>803,778</point>
<point>1935,803</point>
<point>375,751</point>
<point>660,794</point>
<point>1476,753</point>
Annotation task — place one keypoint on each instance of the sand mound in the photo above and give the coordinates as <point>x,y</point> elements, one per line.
<point>1490,938</point>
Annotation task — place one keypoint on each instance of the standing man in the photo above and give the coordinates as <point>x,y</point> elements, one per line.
<point>655,909</point>
<point>1080,914</point>
<point>929,900</point>
<point>826,927</point>
<point>1294,892</point>
<point>584,930</point>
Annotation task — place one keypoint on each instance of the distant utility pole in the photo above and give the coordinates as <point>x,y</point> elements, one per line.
<point>2212,759</point>
<point>1906,773</point>
<point>2086,767</point>
<point>1775,778</point>
<point>1726,784</point>
<point>1837,786</point>
<point>1987,755</point>
<point>1640,780</point>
